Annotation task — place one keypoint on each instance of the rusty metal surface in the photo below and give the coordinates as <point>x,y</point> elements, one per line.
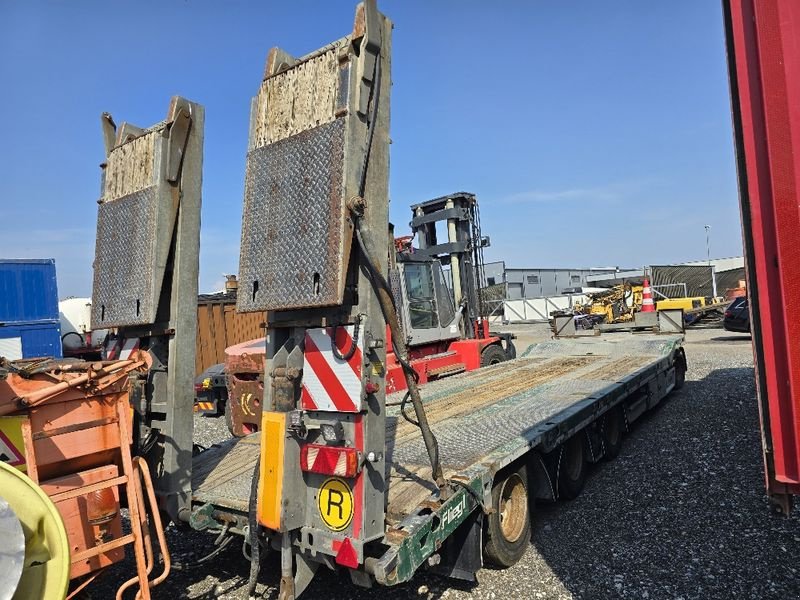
<point>244,367</point>
<point>294,210</point>
<point>29,383</point>
<point>124,278</point>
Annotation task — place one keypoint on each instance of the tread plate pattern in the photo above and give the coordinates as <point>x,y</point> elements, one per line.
<point>474,413</point>
<point>293,221</point>
<point>123,264</point>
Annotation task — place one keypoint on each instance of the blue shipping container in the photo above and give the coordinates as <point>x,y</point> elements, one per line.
<point>28,291</point>
<point>29,320</point>
<point>30,340</point>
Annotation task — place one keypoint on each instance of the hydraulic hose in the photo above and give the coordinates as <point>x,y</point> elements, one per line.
<point>386,301</point>
<point>353,346</point>
<point>384,293</point>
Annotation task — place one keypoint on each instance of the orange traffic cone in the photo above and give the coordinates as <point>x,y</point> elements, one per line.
<point>647,297</point>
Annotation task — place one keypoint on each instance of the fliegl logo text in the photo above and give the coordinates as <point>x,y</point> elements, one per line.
<point>455,512</point>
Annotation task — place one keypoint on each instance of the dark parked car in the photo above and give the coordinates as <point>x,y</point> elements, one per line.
<point>737,316</point>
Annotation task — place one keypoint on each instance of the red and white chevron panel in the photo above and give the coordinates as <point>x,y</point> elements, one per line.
<point>121,349</point>
<point>330,383</point>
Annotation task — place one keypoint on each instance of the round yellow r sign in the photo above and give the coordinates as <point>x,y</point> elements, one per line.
<point>335,503</point>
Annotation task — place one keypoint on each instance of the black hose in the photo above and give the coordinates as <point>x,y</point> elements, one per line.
<point>403,412</point>
<point>386,299</point>
<point>255,554</point>
<point>386,302</point>
<point>353,346</point>
<point>69,333</point>
<point>377,279</point>
<point>185,566</point>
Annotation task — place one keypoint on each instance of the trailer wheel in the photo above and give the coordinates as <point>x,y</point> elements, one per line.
<point>572,467</point>
<point>680,369</point>
<point>493,355</point>
<point>612,427</point>
<point>509,525</point>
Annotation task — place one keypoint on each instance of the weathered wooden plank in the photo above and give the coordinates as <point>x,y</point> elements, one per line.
<point>299,99</point>
<point>130,167</point>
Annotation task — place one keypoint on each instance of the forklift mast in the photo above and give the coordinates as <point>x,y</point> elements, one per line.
<point>461,250</point>
<point>313,255</point>
<point>145,281</point>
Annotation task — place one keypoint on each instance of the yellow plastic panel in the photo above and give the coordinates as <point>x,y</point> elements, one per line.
<point>45,574</point>
<point>270,486</point>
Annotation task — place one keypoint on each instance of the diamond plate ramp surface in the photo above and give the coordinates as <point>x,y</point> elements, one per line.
<point>476,413</point>
<point>466,440</point>
<point>293,220</point>
<point>124,281</point>
<point>222,475</point>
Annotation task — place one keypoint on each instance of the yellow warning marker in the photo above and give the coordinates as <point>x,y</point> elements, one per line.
<point>273,435</point>
<point>12,445</point>
<point>335,503</point>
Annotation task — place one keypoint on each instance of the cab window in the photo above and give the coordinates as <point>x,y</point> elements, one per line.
<point>420,294</point>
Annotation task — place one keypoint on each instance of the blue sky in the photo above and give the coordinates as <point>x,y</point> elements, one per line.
<point>594,133</point>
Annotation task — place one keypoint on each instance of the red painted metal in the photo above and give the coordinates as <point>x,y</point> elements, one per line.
<point>470,351</point>
<point>465,353</point>
<point>764,68</point>
<point>346,554</point>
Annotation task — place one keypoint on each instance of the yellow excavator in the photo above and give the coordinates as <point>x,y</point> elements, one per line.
<point>614,305</point>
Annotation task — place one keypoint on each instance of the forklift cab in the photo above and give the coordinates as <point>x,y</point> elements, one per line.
<point>425,302</point>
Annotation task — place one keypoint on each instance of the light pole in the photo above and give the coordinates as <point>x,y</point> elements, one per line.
<point>708,258</point>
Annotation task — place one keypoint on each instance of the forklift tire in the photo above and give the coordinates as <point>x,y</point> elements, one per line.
<point>511,350</point>
<point>492,355</point>
<point>572,467</point>
<point>612,428</point>
<point>508,527</point>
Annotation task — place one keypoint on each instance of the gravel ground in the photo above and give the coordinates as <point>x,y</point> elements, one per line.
<point>680,513</point>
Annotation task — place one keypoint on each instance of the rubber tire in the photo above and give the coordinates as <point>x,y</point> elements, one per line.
<point>680,370</point>
<point>498,550</point>
<point>511,350</point>
<point>570,484</point>
<point>612,423</point>
<point>492,355</point>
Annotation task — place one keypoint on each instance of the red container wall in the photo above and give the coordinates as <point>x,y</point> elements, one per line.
<point>764,67</point>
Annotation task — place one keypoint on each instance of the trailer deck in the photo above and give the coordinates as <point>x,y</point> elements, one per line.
<point>483,419</point>
<point>491,416</point>
<point>221,475</point>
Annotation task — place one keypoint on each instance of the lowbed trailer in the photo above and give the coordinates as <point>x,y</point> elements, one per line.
<point>547,414</point>
<point>341,472</point>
